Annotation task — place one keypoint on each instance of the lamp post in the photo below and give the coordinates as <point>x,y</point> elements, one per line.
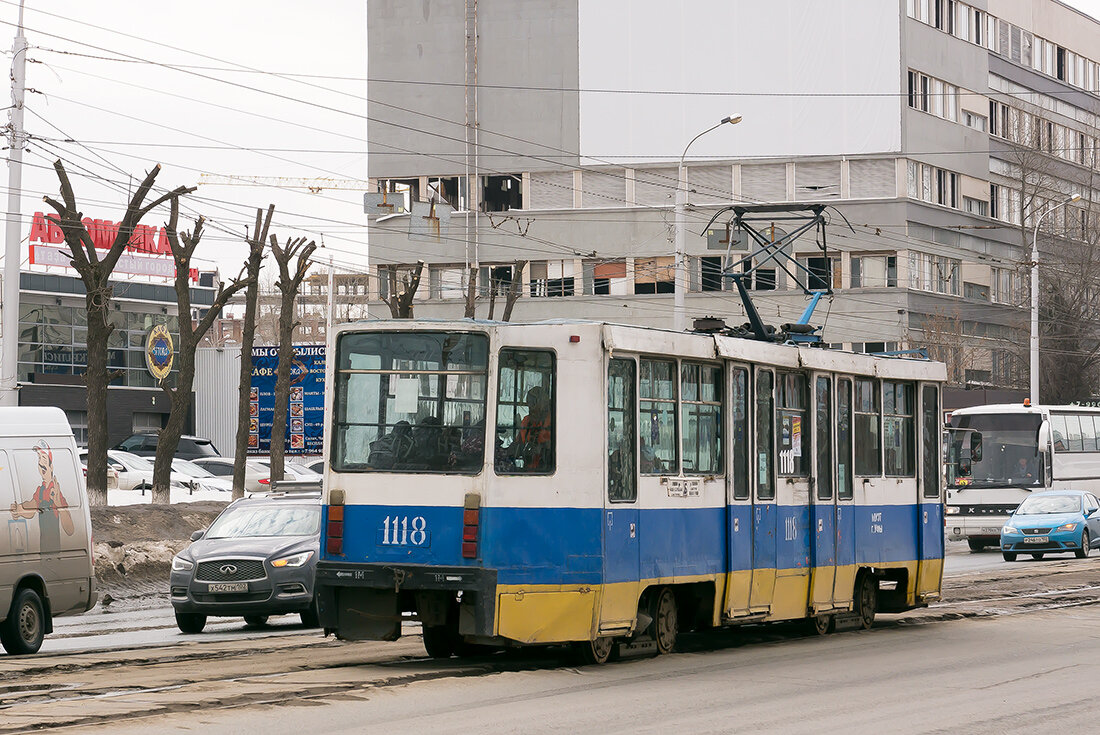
<point>678,318</point>
<point>1035,297</point>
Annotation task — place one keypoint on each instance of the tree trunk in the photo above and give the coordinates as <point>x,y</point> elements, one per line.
<point>471,293</point>
<point>515,289</point>
<point>99,330</point>
<point>282,386</point>
<point>248,338</point>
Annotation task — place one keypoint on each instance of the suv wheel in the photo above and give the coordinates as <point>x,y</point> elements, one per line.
<point>190,622</point>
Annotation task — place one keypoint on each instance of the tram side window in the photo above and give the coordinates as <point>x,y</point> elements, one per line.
<point>739,446</point>
<point>930,422</point>
<point>823,405</point>
<point>794,438</point>
<point>657,416</point>
<point>765,426</point>
<point>701,418</point>
<point>621,432</point>
<point>844,439</point>
<point>898,430</point>
<point>866,435</point>
<point>525,413</point>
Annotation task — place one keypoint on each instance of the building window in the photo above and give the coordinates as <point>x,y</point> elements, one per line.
<point>874,271</point>
<point>701,418</point>
<point>78,420</point>
<point>934,185</point>
<point>654,275</point>
<point>711,273</point>
<point>934,273</point>
<point>933,96</point>
<point>976,206</point>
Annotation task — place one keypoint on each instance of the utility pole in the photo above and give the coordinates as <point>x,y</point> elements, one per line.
<point>330,305</point>
<point>9,354</point>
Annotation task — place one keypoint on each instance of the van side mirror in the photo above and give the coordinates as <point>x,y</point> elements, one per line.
<point>197,535</point>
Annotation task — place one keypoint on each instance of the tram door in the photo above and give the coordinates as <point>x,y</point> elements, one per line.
<point>621,555</point>
<point>844,586</point>
<point>823,520</point>
<point>739,495</point>
<point>764,539</point>
<point>930,523</point>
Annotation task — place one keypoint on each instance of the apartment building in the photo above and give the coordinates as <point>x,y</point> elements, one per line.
<point>540,142</point>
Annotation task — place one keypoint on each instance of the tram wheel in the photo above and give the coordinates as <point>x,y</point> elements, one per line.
<point>867,601</point>
<point>1086,545</point>
<point>666,624</point>
<point>823,624</point>
<point>439,641</point>
<point>596,651</point>
<point>1037,555</point>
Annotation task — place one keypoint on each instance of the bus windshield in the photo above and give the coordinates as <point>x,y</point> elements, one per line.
<point>994,450</point>
<point>410,402</point>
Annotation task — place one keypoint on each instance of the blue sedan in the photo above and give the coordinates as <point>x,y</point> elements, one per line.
<point>1051,522</point>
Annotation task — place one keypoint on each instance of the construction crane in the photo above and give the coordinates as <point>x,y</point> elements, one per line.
<point>313,185</point>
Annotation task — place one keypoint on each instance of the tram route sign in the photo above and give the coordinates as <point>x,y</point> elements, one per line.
<point>305,412</point>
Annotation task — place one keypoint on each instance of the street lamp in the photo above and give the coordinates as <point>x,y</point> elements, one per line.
<point>678,319</point>
<point>1035,297</point>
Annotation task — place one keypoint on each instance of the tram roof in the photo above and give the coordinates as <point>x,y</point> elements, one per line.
<point>1021,408</point>
<point>658,340</point>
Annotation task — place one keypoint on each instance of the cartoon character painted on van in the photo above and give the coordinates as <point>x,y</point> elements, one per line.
<point>47,503</point>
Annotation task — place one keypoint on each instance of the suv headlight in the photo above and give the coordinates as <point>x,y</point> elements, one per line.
<point>295,560</point>
<point>179,564</point>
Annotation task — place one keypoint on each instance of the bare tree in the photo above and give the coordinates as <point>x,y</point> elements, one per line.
<point>248,337</point>
<point>183,248</point>
<point>288,285</point>
<point>942,334</point>
<point>96,272</point>
<point>401,302</point>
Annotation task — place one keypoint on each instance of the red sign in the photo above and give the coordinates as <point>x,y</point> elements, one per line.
<point>145,239</point>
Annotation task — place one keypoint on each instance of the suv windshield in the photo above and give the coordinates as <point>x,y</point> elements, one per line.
<point>273,519</point>
<point>410,402</point>
<point>1044,504</point>
<point>994,450</point>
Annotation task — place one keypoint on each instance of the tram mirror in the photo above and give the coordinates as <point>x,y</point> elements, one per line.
<point>976,446</point>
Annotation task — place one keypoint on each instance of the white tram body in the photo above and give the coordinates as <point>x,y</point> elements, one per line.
<point>665,481</point>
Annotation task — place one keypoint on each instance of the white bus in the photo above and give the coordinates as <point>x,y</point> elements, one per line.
<point>998,454</point>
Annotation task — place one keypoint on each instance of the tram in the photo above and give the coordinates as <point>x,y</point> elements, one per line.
<point>602,485</point>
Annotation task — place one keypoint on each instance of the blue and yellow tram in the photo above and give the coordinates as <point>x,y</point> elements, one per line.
<point>596,483</point>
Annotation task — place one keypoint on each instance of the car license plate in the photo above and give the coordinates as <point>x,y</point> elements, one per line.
<point>1036,539</point>
<point>227,587</point>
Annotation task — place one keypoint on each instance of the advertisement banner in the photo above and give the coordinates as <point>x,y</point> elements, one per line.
<point>305,412</point>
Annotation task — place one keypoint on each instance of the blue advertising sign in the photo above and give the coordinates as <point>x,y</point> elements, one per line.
<point>305,413</point>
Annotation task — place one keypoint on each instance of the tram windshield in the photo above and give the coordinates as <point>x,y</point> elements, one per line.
<point>994,450</point>
<point>410,402</point>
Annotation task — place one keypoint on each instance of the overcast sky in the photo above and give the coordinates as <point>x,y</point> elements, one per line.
<point>297,111</point>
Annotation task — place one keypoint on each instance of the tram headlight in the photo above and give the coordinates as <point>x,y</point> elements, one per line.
<point>1067,527</point>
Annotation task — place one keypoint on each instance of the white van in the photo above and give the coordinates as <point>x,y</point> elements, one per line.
<point>46,533</point>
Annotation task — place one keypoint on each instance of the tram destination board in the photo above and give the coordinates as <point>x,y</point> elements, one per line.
<point>305,411</point>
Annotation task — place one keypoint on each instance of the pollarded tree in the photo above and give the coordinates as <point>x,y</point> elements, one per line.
<point>183,248</point>
<point>96,268</point>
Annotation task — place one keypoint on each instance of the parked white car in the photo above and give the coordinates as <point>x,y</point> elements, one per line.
<point>134,473</point>
<point>291,470</point>
<point>255,474</point>
<point>199,478</point>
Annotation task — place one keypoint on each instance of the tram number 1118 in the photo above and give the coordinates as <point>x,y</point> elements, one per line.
<point>404,531</point>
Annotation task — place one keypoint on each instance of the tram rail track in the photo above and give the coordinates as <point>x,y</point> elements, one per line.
<point>71,691</point>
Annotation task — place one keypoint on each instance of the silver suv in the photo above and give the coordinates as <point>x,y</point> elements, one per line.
<point>257,559</point>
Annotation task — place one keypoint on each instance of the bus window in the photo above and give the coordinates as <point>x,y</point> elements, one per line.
<point>898,432</point>
<point>739,445</point>
<point>824,428</point>
<point>525,413</point>
<point>1073,433</point>
<point>1088,432</point>
<point>844,439</point>
<point>701,418</point>
<point>765,426</point>
<point>657,416</point>
<point>868,447</point>
<point>621,481</point>
<point>410,402</point>
<point>794,445</point>
<point>1058,431</point>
